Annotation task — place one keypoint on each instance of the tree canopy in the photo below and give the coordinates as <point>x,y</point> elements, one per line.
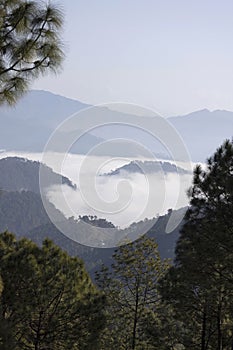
<point>30,44</point>
<point>131,291</point>
<point>199,285</point>
<point>48,300</point>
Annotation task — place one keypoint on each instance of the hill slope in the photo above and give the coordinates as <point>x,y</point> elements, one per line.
<point>148,167</point>
<point>18,174</point>
<point>22,211</point>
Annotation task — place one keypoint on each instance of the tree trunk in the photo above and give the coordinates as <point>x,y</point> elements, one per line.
<point>135,323</point>
<point>219,328</point>
<point>203,333</point>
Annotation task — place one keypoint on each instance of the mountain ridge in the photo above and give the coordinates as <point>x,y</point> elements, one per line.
<point>148,167</point>
<point>38,114</point>
<point>17,174</point>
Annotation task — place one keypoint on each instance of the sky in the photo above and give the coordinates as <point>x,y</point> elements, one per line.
<point>172,56</point>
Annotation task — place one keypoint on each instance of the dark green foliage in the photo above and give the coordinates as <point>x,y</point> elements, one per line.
<point>131,291</point>
<point>48,300</point>
<point>29,44</point>
<point>200,285</point>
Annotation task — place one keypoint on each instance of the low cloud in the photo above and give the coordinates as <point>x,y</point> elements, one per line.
<point>132,199</point>
<point>121,199</point>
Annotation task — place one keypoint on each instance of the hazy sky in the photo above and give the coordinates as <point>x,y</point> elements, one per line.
<point>173,56</point>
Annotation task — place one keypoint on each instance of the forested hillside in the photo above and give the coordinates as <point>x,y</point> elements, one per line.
<point>95,257</point>
<point>17,174</point>
<point>116,201</point>
<point>22,211</point>
<point>166,291</point>
<point>186,304</point>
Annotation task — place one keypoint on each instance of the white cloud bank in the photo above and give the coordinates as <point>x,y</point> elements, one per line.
<point>121,199</point>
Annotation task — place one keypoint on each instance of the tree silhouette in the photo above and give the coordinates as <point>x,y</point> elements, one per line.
<point>199,285</point>
<point>30,44</point>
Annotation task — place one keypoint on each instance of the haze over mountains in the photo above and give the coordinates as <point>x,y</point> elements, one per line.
<point>22,212</point>
<point>203,131</point>
<point>28,125</point>
<point>27,128</point>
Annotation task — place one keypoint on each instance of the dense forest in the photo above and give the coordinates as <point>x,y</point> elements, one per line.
<point>160,292</point>
<point>137,299</point>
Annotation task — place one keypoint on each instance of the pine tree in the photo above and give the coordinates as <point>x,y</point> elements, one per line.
<point>48,301</point>
<point>30,44</point>
<point>131,291</point>
<point>199,285</point>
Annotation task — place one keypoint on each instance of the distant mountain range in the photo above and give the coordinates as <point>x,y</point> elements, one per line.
<point>28,125</point>
<point>203,131</point>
